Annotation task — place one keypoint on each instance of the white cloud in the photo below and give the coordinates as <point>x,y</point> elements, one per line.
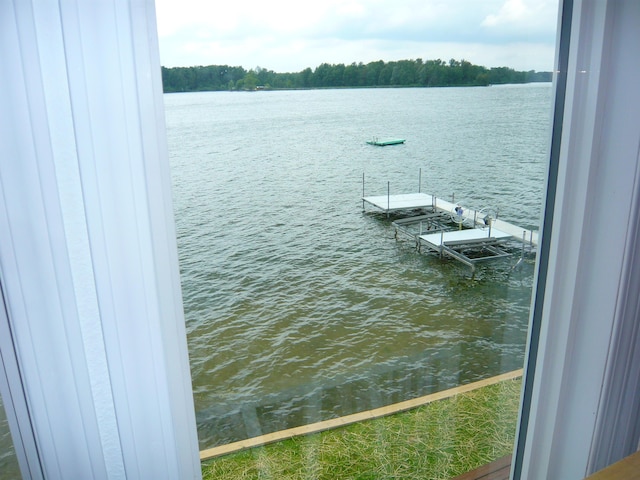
<point>526,16</point>
<point>511,11</point>
<point>289,35</point>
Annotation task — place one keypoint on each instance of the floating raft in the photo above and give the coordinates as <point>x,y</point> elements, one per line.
<point>383,142</point>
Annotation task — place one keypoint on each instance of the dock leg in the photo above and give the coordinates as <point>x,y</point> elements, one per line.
<point>531,241</point>
<point>363,191</point>
<point>388,197</point>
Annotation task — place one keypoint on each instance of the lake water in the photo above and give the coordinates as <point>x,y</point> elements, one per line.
<point>299,305</point>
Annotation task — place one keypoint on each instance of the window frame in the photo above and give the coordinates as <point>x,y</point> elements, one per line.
<point>580,384</point>
<point>81,71</point>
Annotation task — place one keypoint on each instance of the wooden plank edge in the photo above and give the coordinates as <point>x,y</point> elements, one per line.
<point>353,418</point>
<point>626,469</point>
<point>499,468</point>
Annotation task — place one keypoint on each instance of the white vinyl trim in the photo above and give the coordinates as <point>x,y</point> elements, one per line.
<point>594,216</point>
<point>88,257</point>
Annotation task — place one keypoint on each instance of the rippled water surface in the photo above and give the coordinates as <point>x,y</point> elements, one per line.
<point>299,305</point>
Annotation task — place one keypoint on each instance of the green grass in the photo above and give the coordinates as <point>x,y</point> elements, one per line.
<point>437,441</point>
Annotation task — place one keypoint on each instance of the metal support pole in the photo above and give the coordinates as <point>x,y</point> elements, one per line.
<point>531,240</point>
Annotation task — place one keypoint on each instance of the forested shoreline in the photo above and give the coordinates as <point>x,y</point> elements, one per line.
<point>402,73</point>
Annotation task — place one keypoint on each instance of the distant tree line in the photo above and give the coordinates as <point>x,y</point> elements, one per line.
<point>402,73</point>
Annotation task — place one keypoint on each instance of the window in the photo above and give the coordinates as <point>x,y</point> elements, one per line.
<point>301,309</point>
<point>110,411</point>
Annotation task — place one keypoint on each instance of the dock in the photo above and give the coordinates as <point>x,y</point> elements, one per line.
<point>468,246</point>
<point>448,229</point>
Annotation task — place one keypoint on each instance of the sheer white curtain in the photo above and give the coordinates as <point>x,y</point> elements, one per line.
<point>88,258</point>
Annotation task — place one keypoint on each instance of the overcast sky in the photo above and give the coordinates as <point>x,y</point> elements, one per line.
<point>290,35</point>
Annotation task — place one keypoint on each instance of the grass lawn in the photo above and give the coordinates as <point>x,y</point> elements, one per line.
<point>436,441</point>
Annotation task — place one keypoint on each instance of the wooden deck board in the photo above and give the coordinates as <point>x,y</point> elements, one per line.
<point>496,470</point>
<point>626,469</point>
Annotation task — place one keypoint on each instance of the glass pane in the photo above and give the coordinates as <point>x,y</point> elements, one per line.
<point>9,468</point>
<point>306,304</point>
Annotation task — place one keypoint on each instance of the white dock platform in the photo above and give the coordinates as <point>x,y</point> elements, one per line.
<point>469,246</point>
<point>466,236</point>
<point>404,201</point>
